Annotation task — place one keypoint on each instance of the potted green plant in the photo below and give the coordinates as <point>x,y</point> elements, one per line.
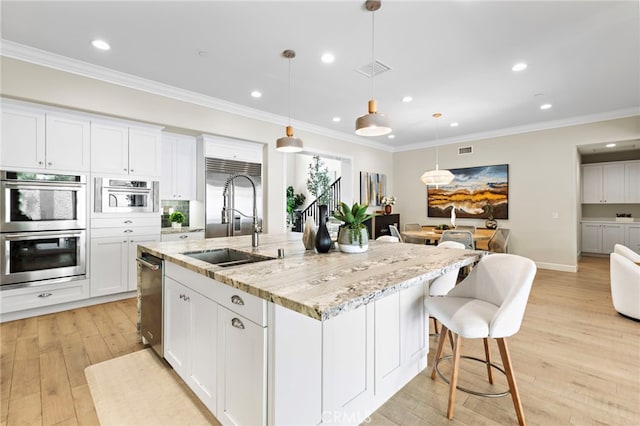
<point>293,202</point>
<point>353,236</point>
<point>176,219</point>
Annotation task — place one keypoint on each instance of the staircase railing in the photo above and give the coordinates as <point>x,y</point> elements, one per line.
<point>313,209</point>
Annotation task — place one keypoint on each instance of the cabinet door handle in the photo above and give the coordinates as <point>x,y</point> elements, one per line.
<point>181,296</point>
<point>40,163</point>
<point>124,170</point>
<point>131,170</point>
<point>43,295</point>
<point>237,323</point>
<point>49,163</point>
<point>237,300</point>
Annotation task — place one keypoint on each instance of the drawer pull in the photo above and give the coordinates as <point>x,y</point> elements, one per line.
<point>182,237</point>
<point>127,221</point>
<point>237,323</point>
<point>127,231</point>
<point>44,295</point>
<point>237,300</point>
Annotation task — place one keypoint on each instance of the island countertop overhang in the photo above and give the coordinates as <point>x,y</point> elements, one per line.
<point>320,286</point>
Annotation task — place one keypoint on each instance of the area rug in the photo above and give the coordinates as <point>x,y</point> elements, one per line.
<point>140,389</point>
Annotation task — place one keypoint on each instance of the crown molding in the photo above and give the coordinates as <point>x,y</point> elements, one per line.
<point>51,60</point>
<point>545,125</point>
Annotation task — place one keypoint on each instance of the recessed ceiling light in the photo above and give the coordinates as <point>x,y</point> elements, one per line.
<point>545,106</point>
<point>610,145</point>
<point>328,58</point>
<point>256,94</point>
<point>336,119</point>
<point>454,125</point>
<point>407,99</point>
<point>520,66</point>
<point>101,44</point>
<point>391,136</point>
<point>202,53</point>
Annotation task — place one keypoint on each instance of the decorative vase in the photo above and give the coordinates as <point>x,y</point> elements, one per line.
<point>348,246</point>
<point>323,239</point>
<point>309,235</point>
<point>176,225</point>
<point>387,209</point>
<point>491,223</point>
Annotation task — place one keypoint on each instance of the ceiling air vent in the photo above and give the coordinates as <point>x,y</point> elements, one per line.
<point>465,150</point>
<point>378,68</point>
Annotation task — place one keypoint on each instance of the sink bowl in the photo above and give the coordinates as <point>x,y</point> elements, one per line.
<point>226,257</point>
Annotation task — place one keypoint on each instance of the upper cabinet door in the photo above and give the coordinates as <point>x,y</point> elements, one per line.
<point>68,143</point>
<point>23,138</point>
<point>109,148</point>
<point>613,183</point>
<point>632,180</point>
<point>144,152</point>
<point>592,184</point>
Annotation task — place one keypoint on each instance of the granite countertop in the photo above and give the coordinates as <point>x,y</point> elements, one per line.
<point>170,230</point>
<point>320,286</point>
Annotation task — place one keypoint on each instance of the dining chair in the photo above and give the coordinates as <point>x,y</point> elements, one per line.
<point>489,303</point>
<point>464,237</point>
<point>499,240</point>
<point>395,233</point>
<point>469,228</point>
<point>387,239</point>
<point>413,227</point>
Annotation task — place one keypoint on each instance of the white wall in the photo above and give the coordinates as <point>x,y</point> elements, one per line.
<point>543,179</point>
<point>30,82</point>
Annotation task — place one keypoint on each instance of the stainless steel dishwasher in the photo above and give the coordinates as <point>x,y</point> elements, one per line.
<point>151,301</point>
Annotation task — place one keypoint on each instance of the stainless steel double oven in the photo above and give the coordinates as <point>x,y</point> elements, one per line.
<point>42,228</point>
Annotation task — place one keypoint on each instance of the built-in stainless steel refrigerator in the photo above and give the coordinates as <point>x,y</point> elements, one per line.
<point>240,197</point>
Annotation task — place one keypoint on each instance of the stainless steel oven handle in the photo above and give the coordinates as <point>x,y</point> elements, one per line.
<point>45,185</point>
<point>41,234</point>
<point>128,190</point>
<point>149,265</point>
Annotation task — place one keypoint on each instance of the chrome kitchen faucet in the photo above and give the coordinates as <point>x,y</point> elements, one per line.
<point>225,218</point>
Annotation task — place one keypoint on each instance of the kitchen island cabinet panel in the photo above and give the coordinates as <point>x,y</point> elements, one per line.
<point>242,362</point>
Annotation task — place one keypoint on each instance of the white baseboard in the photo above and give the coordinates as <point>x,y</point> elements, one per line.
<point>557,267</point>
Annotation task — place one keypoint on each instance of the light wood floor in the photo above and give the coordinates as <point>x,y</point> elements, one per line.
<point>576,360</point>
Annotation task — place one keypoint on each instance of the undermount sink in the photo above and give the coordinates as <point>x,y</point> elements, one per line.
<point>226,257</point>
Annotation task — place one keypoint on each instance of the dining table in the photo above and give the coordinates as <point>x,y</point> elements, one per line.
<point>431,235</point>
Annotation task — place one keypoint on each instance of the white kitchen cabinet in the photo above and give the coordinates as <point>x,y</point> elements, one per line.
<point>124,150</point>
<point>19,299</point>
<point>601,237</point>
<point>632,182</point>
<point>242,370</point>
<point>603,183</point>
<point>633,236</point>
<point>190,339</point>
<point>114,244</point>
<point>178,171</point>
<point>35,139</point>
<point>68,143</point>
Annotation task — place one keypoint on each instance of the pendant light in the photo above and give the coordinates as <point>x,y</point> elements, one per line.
<point>289,143</point>
<point>437,177</point>
<point>373,123</point>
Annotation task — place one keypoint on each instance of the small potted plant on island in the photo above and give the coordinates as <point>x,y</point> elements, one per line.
<point>353,236</point>
<point>176,219</point>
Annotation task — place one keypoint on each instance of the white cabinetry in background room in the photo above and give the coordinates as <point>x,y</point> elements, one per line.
<point>117,148</point>
<point>183,236</point>
<point>611,183</point>
<point>114,243</point>
<point>190,339</point>
<point>38,139</point>
<point>600,237</point>
<point>633,236</point>
<point>178,171</point>
<point>603,183</point>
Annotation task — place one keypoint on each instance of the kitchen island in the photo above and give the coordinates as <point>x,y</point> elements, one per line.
<point>304,339</point>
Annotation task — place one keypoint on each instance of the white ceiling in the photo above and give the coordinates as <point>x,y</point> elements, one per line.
<point>453,57</point>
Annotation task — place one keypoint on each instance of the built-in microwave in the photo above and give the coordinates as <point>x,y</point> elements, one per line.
<point>126,196</point>
<point>33,201</point>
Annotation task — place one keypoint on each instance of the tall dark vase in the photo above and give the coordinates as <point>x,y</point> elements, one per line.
<point>323,239</point>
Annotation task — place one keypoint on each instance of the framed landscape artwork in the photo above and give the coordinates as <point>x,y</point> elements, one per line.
<point>373,187</point>
<point>474,192</point>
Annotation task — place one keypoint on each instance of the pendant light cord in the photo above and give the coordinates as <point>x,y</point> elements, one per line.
<point>373,54</point>
<point>437,138</point>
<point>290,90</point>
